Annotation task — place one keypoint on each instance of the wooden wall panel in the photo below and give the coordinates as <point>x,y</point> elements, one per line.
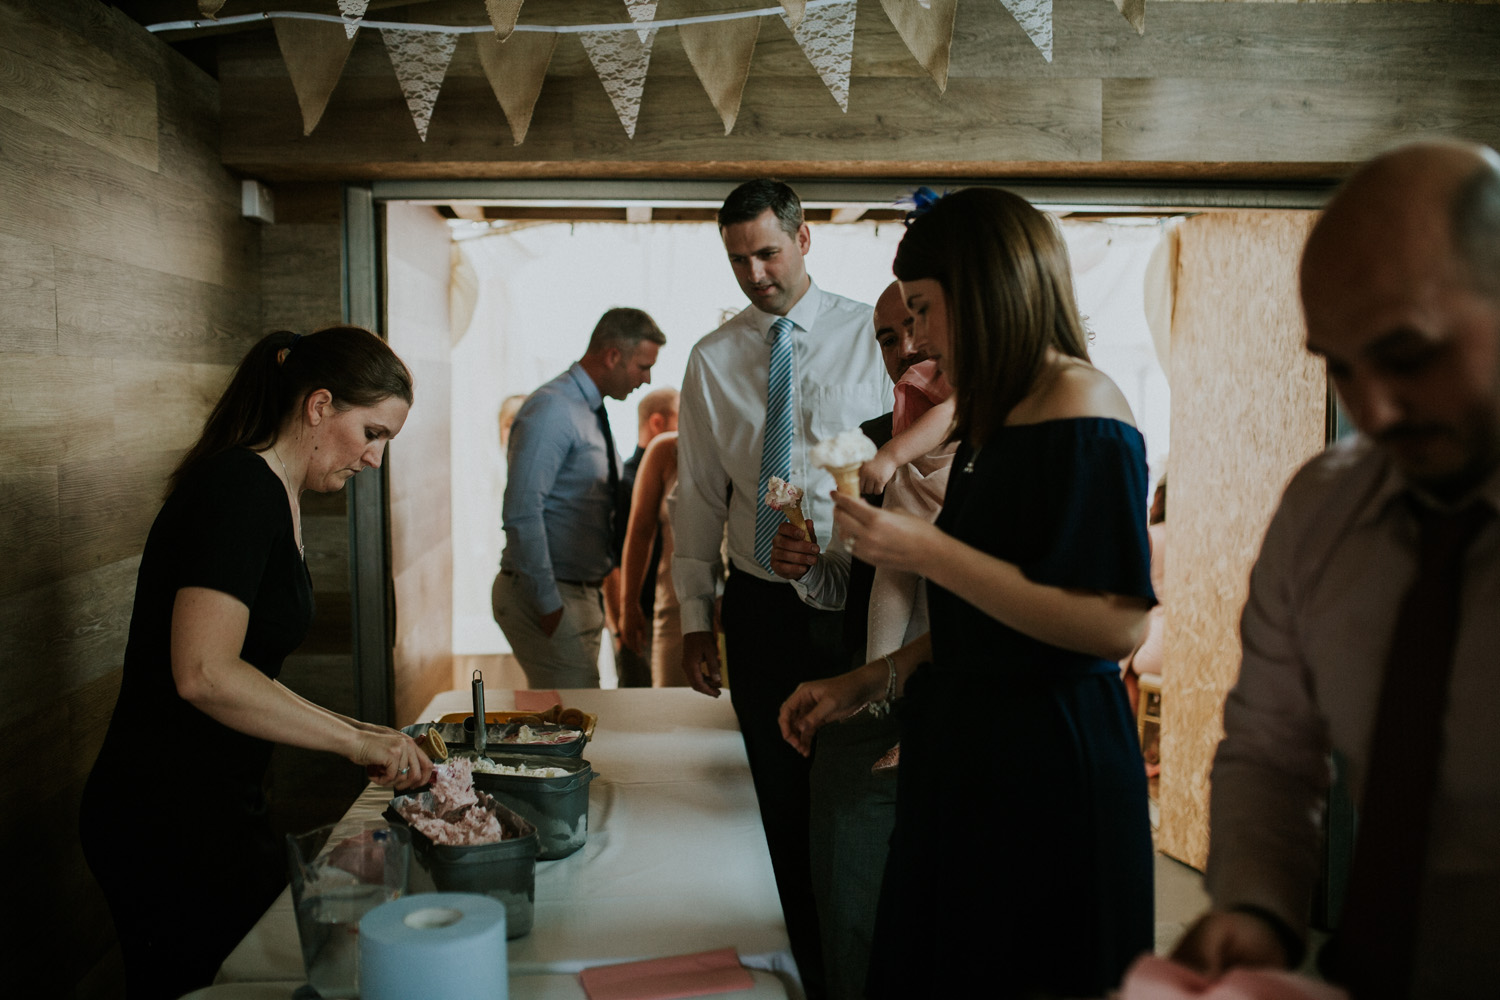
<point>1256,84</point>
<point>109,105</point>
<point>28,297</point>
<point>128,286</point>
<point>1267,120</point>
<point>1248,408</point>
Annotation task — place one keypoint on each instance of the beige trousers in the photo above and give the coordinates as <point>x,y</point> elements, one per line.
<point>569,658</point>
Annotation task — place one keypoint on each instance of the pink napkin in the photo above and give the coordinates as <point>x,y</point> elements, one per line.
<point>536,701</point>
<point>1152,978</point>
<point>664,978</point>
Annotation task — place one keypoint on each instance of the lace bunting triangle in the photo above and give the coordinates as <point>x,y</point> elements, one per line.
<point>642,10</point>
<point>421,59</point>
<point>314,53</point>
<point>826,35</point>
<point>353,12</point>
<point>621,60</point>
<point>516,68</point>
<point>927,31</point>
<point>1035,18</point>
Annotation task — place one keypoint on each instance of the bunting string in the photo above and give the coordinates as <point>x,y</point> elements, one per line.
<point>620,52</point>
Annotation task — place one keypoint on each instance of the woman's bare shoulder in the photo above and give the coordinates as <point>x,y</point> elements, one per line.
<point>1077,389</point>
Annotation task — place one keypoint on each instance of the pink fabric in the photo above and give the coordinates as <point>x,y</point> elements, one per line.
<point>921,388</point>
<point>665,978</point>
<point>536,701</point>
<point>1153,978</point>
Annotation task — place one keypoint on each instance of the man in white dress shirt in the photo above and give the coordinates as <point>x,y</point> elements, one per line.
<point>812,354</point>
<point>1371,626</point>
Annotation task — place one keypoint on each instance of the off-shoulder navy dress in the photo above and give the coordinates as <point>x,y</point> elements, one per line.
<point>1021,863</point>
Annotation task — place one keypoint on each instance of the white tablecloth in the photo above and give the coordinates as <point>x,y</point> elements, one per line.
<point>675,862</point>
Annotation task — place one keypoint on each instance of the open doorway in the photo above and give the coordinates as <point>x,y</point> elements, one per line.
<point>489,302</point>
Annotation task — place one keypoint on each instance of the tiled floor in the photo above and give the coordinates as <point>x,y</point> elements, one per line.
<point>1179,900</point>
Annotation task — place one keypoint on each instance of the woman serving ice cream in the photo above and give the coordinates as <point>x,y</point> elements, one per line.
<point>186,859</point>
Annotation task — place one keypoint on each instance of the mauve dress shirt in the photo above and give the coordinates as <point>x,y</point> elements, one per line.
<point>557,503</point>
<point>839,382</point>
<point>1337,559</point>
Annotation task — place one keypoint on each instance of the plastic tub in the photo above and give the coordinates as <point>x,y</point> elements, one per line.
<point>559,807</point>
<point>505,871</point>
<point>499,738</point>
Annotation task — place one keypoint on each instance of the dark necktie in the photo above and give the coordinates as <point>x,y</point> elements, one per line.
<point>1374,949</point>
<point>616,520</point>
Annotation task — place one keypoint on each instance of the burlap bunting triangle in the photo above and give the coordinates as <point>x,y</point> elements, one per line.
<point>1035,18</point>
<point>927,31</point>
<point>795,11</point>
<point>421,60</point>
<point>720,52</point>
<point>210,8</point>
<point>1135,13</point>
<point>314,53</point>
<point>516,68</point>
<point>621,60</point>
<point>826,35</point>
<point>642,10</point>
<point>503,14</point>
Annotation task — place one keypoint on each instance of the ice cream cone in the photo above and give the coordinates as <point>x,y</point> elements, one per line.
<point>847,479</point>
<point>794,514</point>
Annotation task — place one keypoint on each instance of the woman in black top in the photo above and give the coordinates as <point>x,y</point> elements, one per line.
<point>1021,861</point>
<point>186,858</point>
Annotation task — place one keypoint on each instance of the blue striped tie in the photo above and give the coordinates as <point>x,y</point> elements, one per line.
<point>776,444</point>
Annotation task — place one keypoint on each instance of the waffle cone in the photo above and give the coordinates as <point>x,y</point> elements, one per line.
<point>794,514</point>
<point>847,479</point>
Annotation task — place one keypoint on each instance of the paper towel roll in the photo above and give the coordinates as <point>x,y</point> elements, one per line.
<point>440,944</point>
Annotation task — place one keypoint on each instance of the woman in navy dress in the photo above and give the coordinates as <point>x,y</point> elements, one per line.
<point>1021,863</point>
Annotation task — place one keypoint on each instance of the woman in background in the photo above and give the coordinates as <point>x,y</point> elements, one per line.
<point>650,507</point>
<point>173,819</point>
<point>1021,862</point>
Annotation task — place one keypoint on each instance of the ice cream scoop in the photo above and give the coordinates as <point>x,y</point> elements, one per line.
<point>843,455</point>
<point>783,496</point>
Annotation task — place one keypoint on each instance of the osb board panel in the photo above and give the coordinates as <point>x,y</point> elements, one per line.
<point>1248,408</point>
<point>420,462</point>
<point>1005,103</point>
<point>1277,119</point>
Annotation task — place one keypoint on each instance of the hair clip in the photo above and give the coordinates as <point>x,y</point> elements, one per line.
<point>919,203</point>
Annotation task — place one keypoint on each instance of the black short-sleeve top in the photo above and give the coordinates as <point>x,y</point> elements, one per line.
<point>227,527</point>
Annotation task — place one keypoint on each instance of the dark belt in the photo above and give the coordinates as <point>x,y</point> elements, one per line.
<point>571,583</point>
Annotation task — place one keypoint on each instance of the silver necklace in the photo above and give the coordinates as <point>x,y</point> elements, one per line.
<point>296,507</point>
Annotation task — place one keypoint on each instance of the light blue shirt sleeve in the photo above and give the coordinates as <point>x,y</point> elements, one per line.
<point>539,445</point>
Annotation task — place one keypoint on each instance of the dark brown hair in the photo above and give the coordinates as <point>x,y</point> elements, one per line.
<point>282,370</point>
<point>752,199</point>
<point>1003,268</point>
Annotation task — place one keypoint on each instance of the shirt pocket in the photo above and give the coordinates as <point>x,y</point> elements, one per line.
<point>833,409</point>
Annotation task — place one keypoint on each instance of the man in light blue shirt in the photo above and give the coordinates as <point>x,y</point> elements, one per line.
<point>561,493</point>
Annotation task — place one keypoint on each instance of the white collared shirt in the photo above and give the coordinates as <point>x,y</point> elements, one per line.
<point>839,381</point>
